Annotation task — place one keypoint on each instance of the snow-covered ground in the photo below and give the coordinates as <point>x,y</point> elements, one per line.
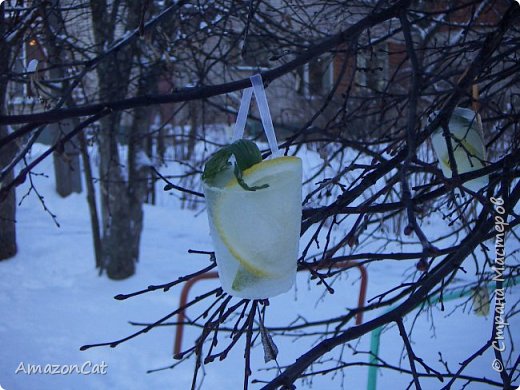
<point>53,302</point>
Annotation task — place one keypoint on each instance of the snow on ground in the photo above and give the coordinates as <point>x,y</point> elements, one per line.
<point>53,302</point>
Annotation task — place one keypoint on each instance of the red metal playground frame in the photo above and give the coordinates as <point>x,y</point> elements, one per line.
<point>214,275</point>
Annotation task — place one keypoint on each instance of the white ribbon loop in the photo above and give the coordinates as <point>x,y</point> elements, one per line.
<point>240,124</point>
<point>263,108</point>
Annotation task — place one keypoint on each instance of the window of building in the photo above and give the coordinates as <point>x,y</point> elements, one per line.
<point>315,78</point>
<point>372,68</point>
<point>20,89</point>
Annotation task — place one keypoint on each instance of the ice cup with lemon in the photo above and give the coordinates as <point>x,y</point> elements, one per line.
<point>254,211</point>
<point>467,141</point>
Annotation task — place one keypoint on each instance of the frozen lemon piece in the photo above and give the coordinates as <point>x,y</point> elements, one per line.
<point>256,233</point>
<point>259,227</point>
<point>244,278</point>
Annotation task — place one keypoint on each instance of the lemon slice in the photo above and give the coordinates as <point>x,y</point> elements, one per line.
<point>260,229</point>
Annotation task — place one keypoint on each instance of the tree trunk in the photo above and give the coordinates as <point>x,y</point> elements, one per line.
<point>192,134</point>
<point>150,138</point>
<point>138,175</point>
<point>91,200</point>
<point>161,144</point>
<point>66,162</point>
<point>8,205</point>
<point>123,202</point>
<point>118,240</point>
<point>120,202</point>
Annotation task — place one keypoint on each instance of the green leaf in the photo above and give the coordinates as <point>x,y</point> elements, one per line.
<point>217,163</point>
<point>246,155</point>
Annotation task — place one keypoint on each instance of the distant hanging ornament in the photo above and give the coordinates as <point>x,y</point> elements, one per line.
<point>467,141</point>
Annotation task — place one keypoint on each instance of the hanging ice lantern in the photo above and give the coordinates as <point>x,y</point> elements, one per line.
<point>254,210</point>
<point>467,142</point>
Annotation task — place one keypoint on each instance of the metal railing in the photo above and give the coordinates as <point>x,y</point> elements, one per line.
<point>375,336</point>
<point>181,317</point>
